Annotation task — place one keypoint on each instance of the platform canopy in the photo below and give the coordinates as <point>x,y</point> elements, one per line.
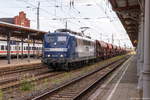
<point>128,12</point>
<point>20,31</point>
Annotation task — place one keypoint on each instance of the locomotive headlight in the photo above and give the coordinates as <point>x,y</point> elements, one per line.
<point>55,43</point>
<point>61,55</point>
<point>48,55</point>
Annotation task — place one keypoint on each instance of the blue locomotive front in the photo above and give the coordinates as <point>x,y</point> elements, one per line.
<point>63,48</point>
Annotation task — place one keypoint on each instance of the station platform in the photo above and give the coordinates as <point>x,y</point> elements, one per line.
<point>121,85</point>
<point>18,62</point>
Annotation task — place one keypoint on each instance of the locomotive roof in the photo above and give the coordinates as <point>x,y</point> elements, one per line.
<point>82,37</point>
<point>70,31</point>
<point>77,36</point>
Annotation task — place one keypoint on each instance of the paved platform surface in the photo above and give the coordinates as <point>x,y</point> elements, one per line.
<point>19,62</point>
<point>122,85</point>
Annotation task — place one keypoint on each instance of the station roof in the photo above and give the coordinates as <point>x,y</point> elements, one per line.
<point>128,12</point>
<point>20,31</point>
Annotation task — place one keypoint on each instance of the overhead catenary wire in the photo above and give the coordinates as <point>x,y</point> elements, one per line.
<point>36,7</point>
<point>70,15</point>
<point>48,12</point>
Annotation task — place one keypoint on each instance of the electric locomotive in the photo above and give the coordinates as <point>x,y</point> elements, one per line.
<point>62,50</point>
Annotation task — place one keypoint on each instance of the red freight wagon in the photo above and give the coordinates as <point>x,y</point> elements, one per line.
<point>109,50</point>
<point>114,51</point>
<point>101,49</point>
<point>118,50</point>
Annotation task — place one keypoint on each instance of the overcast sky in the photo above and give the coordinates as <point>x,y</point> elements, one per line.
<point>96,14</point>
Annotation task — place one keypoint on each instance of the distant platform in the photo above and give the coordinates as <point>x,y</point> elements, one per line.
<point>18,62</point>
<point>122,85</point>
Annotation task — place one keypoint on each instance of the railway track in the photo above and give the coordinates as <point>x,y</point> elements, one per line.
<point>16,76</point>
<point>13,77</point>
<point>21,68</point>
<point>4,85</point>
<point>75,88</point>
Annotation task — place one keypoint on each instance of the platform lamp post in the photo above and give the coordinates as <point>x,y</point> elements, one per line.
<point>146,67</point>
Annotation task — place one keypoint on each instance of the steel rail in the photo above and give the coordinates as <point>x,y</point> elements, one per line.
<point>82,93</point>
<point>37,78</point>
<point>18,70</point>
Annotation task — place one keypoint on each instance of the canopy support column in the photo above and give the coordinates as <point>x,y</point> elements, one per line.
<point>138,51</point>
<point>22,49</point>
<point>146,68</point>
<point>141,58</point>
<point>28,47</point>
<point>34,52</point>
<point>8,47</point>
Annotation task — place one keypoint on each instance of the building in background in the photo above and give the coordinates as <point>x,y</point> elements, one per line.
<point>18,20</point>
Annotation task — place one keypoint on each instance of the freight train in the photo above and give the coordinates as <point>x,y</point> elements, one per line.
<point>66,50</point>
<point>16,49</point>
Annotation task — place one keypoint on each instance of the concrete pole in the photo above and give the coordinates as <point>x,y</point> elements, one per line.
<point>38,13</point>
<point>146,68</point>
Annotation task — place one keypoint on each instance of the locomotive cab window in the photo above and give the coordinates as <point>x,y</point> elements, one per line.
<point>50,39</point>
<point>62,38</point>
